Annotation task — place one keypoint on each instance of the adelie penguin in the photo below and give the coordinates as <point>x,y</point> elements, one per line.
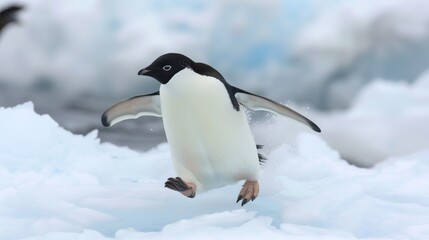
<point>205,124</point>
<point>8,15</point>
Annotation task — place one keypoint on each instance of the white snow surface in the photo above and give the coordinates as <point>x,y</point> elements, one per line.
<point>386,119</point>
<point>321,52</point>
<point>56,185</point>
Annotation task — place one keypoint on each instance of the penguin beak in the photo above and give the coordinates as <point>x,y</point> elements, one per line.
<point>144,71</point>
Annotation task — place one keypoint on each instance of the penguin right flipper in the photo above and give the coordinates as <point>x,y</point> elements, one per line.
<point>135,107</point>
<point>256,102</point>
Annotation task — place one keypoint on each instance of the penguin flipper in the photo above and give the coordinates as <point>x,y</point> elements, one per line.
<point>257,102</point>
<point>133,108</point>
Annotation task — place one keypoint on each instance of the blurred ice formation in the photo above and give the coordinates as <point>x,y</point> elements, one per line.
<point>75,58</point>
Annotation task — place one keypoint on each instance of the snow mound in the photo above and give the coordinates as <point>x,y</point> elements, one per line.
<point>56,185</point>
<point>357,41</point>
<point>387,119</point>
<point>322,52</point>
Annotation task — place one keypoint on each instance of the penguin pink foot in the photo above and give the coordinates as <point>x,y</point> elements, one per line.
<point>177,184</point>
<point>249,192</point>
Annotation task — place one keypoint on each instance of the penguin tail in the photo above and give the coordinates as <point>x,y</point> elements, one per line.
<point>261,157</point>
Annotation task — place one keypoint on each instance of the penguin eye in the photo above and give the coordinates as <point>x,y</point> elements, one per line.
<point>166,68</point>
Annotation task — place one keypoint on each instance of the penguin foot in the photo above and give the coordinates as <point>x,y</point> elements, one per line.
<point>249,192</point>
<point>177,184</point>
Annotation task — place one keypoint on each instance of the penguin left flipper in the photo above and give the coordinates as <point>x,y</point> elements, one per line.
<point>256,102</point>
<point>135,107</point>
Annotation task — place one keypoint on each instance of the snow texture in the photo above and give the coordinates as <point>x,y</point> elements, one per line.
<point>56,185</point>
<point>386,119</point>
<point>321,51</point>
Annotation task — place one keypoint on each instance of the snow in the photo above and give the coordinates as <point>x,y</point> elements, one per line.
<point>358,41</point>
<point>386,119</point>
<point>57,185</point>
<point>95,46</point>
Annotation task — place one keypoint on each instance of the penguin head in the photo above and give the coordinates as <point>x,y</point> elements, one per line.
<point>166,66</point>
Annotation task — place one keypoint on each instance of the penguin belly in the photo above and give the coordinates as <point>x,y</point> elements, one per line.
<point>210,142</point>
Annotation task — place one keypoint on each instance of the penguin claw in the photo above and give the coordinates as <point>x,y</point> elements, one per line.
<point>249,192</point>
<point>244,202</point>
<point>177,184</point>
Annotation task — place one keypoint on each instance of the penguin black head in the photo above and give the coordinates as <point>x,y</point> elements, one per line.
<point>166,66</point>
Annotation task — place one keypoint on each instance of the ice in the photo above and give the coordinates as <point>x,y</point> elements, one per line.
<point>57,185</point>
<point>319,52</point>
<point>386,119</point>
<point>74,58</point>
<point>356,42</point>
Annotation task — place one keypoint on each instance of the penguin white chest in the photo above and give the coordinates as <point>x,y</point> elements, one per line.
<point>210,142</point>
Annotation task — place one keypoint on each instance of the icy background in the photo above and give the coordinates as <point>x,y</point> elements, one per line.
<point>358,68</point>
<point>74,59</point>
<point>320,52</point>
<point>56,185</point>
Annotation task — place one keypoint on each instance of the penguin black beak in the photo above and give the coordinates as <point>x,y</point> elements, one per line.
<point>144,71</point>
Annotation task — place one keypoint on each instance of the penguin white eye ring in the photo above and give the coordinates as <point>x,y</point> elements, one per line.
<point>166,68</point>
<point>210,140</point>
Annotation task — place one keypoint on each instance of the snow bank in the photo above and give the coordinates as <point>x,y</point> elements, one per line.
<point>320,52</point>
<point>56,185</point>
<point>386,119</point>
<point>357,41</point>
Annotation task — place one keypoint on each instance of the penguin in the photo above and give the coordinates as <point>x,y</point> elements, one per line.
<point>8,15</point>
<point>205,124</point>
